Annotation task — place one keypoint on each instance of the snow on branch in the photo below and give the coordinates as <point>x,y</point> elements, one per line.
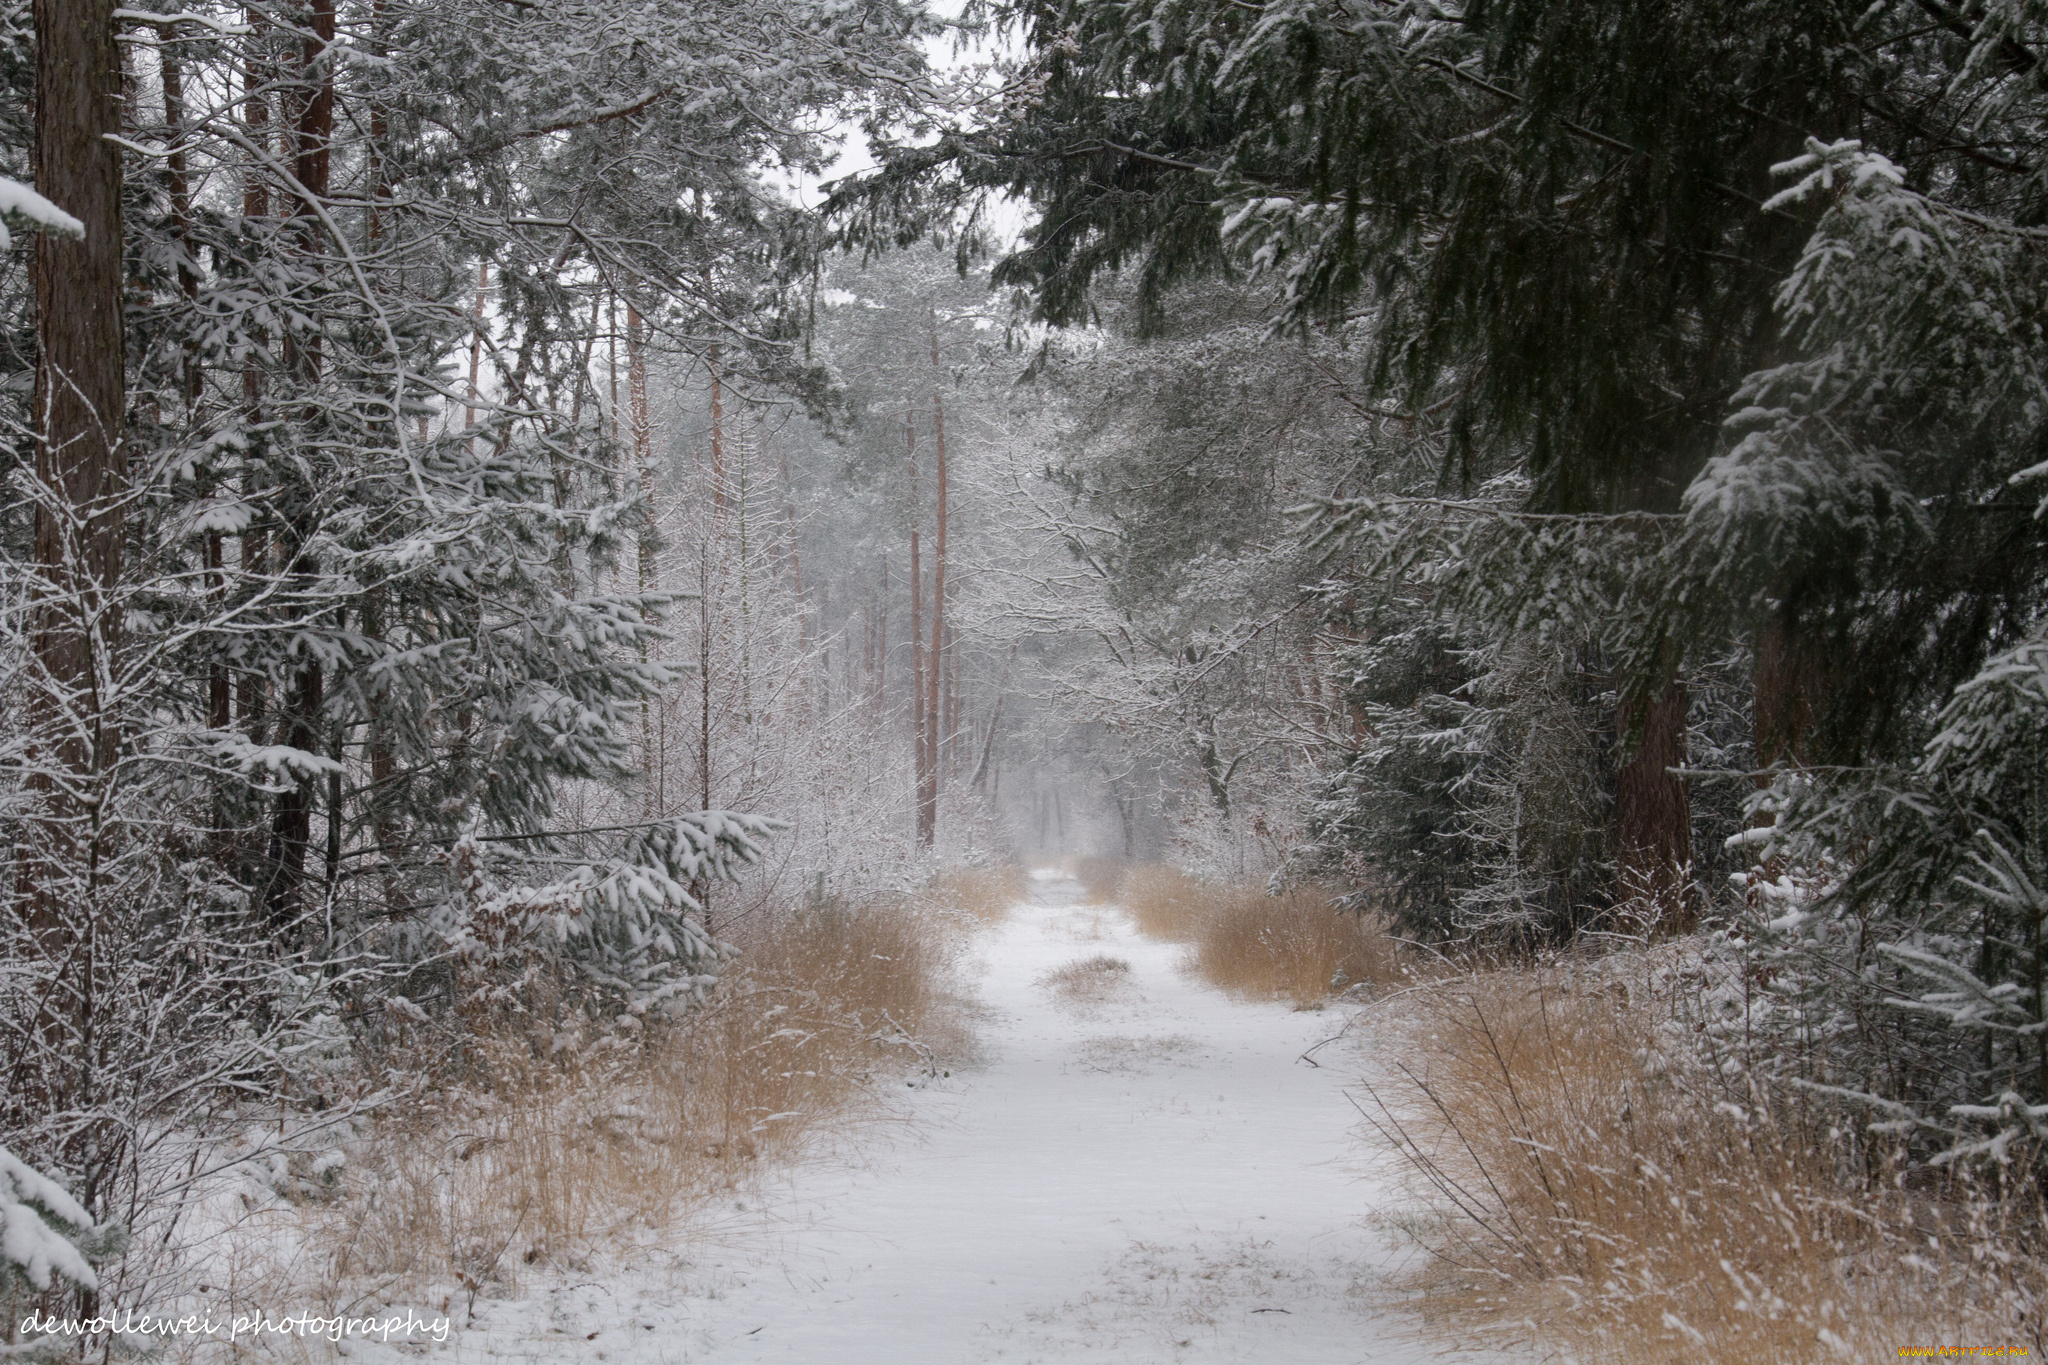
<point>22,207</point>
<point>27,1241</point>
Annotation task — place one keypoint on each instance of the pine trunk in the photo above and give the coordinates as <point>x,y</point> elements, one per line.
<point>1789,684</point>
<point>291,828</point>
<point>921,758</point>
<point>928,790</point>
<point>1653,811</point>
<point>79,415</point>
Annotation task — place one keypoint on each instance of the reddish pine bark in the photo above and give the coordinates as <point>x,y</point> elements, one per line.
<point>79,415</point>
<point>1653,810</point>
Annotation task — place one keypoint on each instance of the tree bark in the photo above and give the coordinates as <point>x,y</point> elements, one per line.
<point>476,356</point>
<point>1789,685</point>
<point>928,790</point>
<point>1653,811</point>
<point>291,829</point>
<point>255,205</point>
<point>717,437</point>
<point>921,756</point>
<point>78,418</point>
<point>643,439</point>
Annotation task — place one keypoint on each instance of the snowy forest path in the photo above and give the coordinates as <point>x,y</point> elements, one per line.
<point>1135,1171</point>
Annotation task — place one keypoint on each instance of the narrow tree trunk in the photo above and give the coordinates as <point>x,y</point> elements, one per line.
<point>380,130</point>
<point>643,439</point>
<point>255,206</point>
<point>703,891</point>
<point>556,464</point>
<point>476,351</point>
<point>611,350</point>
<point>921,758</point>
<point>796,577</point>
<point>928,792</point>
<point>988,743</point>
<point>316,120</point>
<point>952,726</point>
<point>717,437</point>
<point>292,823</point>
<point>741,502</point>
<point>385,821</point>
<point>178,183</point>
<point>651,758</point>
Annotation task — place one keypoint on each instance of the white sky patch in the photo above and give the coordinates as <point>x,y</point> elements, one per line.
<point>1004,218</point>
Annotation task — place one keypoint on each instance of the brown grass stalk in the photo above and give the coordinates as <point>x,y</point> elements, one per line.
<point>617,1129</point>
<point>983,894</point>
<point>1576,1180</point>
<point>1293,946</point>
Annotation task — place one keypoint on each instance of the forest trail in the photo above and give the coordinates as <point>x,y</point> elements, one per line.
<point>1148,1176</point>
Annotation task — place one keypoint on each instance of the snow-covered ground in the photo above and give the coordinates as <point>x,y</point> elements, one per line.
<point>1148,1176</point>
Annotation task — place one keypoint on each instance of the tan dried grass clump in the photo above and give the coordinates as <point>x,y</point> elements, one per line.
<point>1294,946</point>
<point>1580,1183</point>
<point>985,895</point>
<point>1165,902</point>
<point>619,1128</point>
<point>1089,980</point>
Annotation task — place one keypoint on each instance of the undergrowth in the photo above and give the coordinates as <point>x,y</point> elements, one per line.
<point>1292,946</point>
<point>984,894</point>
<point>1583,1179</point>
<point>557,1148</point>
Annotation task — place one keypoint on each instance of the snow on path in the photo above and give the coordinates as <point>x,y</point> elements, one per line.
<point>1150,1178</point>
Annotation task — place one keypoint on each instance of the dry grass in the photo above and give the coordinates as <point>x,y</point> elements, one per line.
<point>1165,902</point>
<point>984,894</point>
<point>628,1128</point>
<point>1293,946</point>
<point>1580,1183</point>
<point>1089,980</point>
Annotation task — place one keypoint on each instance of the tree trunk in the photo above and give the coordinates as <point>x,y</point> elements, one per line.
<point>643,439</point>
<point>928,790</point>
<point>611,352</point>
<point>1790,683</point>
<point>796,578</point>
<point>1653,812</point>
<point>291,829</point>
<point>255,204</point>
<point>476,355</point>
<point>921,756</point>
<point>78,420</point>
<point>717,437</point>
